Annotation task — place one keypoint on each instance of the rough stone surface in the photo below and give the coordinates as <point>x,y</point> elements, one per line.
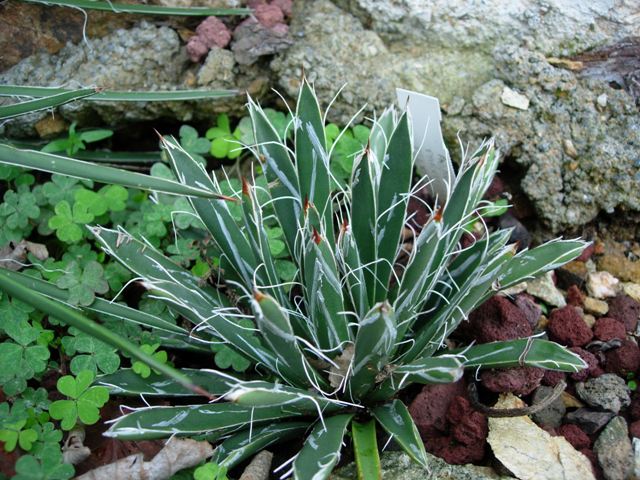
<point>429,407</point>
<point>595,306</point>
<point>589,420</point>
<point>613,449</point>
<point>567,326</point>
<point>252,40</point>
<point>531,453</point>
<point>607,328</point>
<point>545,289</point>
<point>518,380</point>
<point>626,310</point>
<point>607,391</point>
<point>217,70</point>
<point>210,33</point>
<point>494,320</point>
<point>602,285</point>
<point>593,365</point>
<point>575,436</point>
<point>529,307</point>
<point>142,58</point>
<point>624,359</point>
<point>550,416</point>
<point>399,466</point>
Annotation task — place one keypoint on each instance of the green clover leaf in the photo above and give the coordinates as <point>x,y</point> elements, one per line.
<point>90,354</point>
<point>48,466</point>
<point>15,214</point>
<point>84,401</point>
<point>210,471</point>
<point>20,362</point>
<point>67,221</point>
<point>83,283</point>
<point>60,188</point>
<point>142,368</point>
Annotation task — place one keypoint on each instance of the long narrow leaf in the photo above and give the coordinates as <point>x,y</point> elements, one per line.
<point>396,420</point>
<point>127,382</point>
<point>144,9</point>
<point>75,319</point>
<point>531,352</point>
<point>189,420</point>
<point>243,445</point>
<point>48,162</point>
<point>365,449</point>
<point>35,105</point>
<point>321,450</point>
<point>119,96</point>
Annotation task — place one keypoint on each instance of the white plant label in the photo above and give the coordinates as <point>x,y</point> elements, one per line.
<point>432,156</point>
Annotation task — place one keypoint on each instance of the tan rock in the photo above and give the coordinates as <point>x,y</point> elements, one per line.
<point>529,452</point>
<point>50,126</point>
<point>620,266</point>
<point>632,289</point>
<point>595,306</point>
<point>589,319</point>
<point>602,285</point>
<point>514,99</point>
<point>544,289</point>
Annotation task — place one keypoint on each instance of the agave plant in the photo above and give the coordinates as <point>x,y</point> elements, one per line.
<point>333,349</point>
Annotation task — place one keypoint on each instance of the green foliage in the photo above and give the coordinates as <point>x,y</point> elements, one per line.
<point>210,471</point>
<point>192,143</point>
<point>16,215</point>
<point>142,368</point>
<point>84,401</point>
<point>350,329</point>
<point>76,141</point>
<point>68,221</point>
<point>46,466</point>
<point>224,143</point>
<point>90,354</point>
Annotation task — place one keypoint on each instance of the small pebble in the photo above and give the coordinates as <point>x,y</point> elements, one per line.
<point>545,289</point>
<point>595,306</point>
<point>602,285</point>
<point>608,392</point>
<point>632,290</point>
<point>614,452</point>
<point>513,99</point>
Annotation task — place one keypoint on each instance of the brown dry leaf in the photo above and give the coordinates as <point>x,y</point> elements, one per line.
<point>529,452</point>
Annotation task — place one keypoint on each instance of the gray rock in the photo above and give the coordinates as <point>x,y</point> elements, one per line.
<point>399,466</point>
<point>217,70</point>
<point>545,289</point>
<point>608,391</point>
<point>252,40</point>
<point>142,58</point>
<point>613,449</point>
<point>589,420</point>
<point>550,416</point>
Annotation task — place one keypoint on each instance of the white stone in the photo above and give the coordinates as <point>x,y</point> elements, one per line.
<point>632,289</point>
<point>602,285</point>
<point>513,99</point>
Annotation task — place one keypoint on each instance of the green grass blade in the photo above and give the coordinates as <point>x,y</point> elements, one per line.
<point>321,450</point>
<point>375,340</point>
<point>241,446</point>
<point>126,382</point>
<point>75,319</point>
<point>99,305</point>
<point>35,105</point>
<point>143,9</point>
<point>365,449</point>
<point>396,420</point>
<point>530,352</point>
<point>119,96</point>
<point>395,181</point>
<point>51,163</point>
<point>190,420</point>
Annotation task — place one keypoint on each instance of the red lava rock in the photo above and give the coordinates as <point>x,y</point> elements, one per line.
<point>255,3</point>
<point>634,429</point>
<point>269,15</point>
<point>551,378</point>
<point>496,319</point>
<point>607,328</point>
<point>529,307</point>
<point>285,5</point>
<point>634,408</point>
<point>575,436</point>
<point>519,380</point>
<point>210,33</point>
<point>429,408</point>
<point>626,310</point>
<point>453,452</point>
<point>467,425</point>
<point>624,359</point>
<point>593,365</point>
<point>566,326</point>
<point>586,253</point>
<point>575,297</point>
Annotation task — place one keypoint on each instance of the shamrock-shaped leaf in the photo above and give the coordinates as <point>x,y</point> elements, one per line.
<point>83,283</point>
<point>49,465</point>
<point>223,143</point>
<point>90,354</point>
<point>115,197</point>
<point>193,143</point>
<point>19,362</point>
<point>116,275</point>
<point>15,214</point>
<point>67,222</point>
<point>84,401</point>
<point>60,188</point>
<point>13,434</point>
<point>184,251</point>
<point>142,368</point>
